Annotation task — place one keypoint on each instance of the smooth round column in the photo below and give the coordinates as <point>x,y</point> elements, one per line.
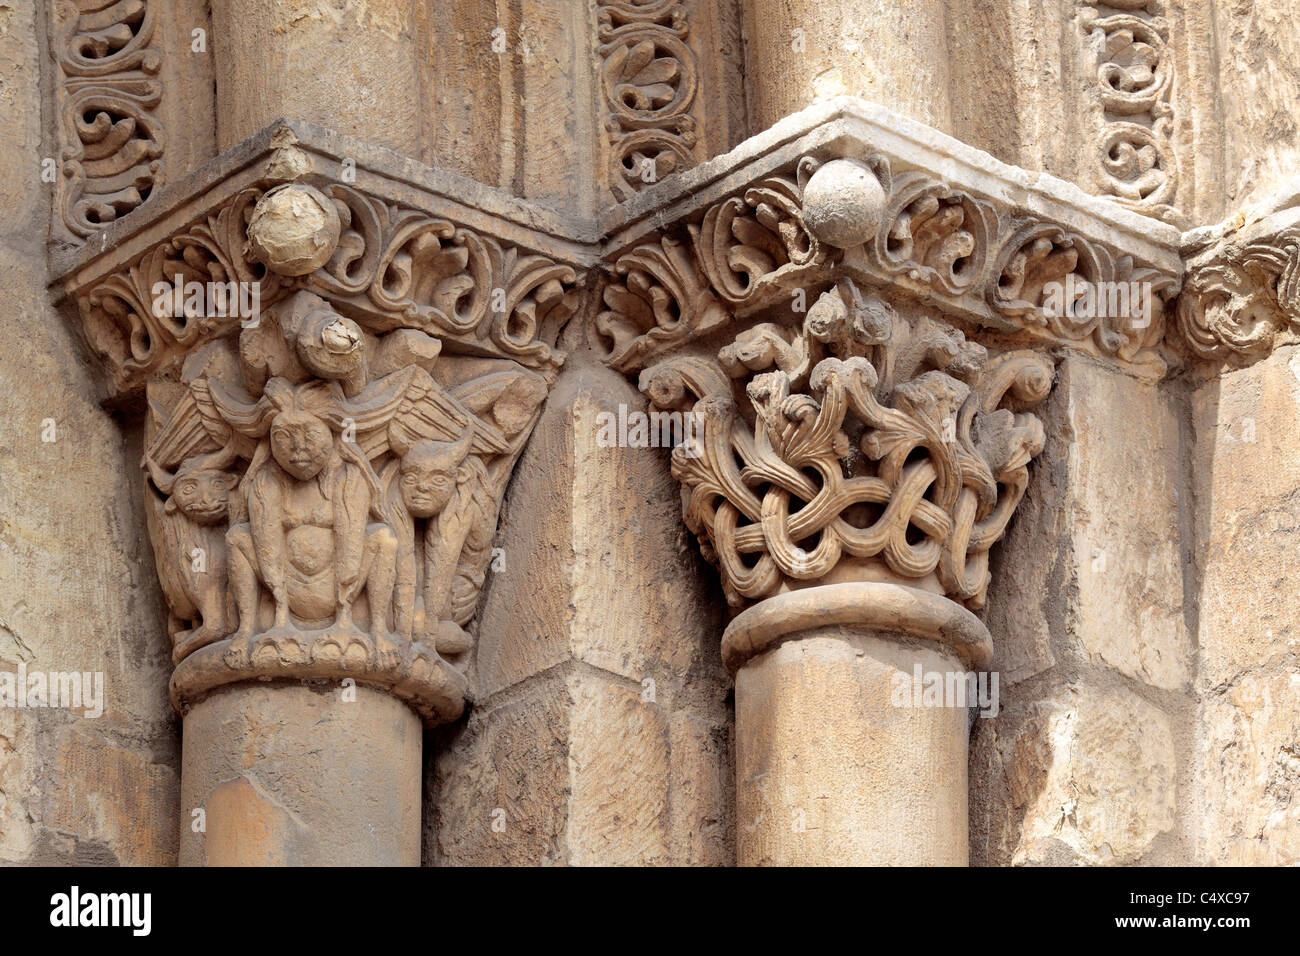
<point>832,767</point>
<point>288,774</point>
<point>355,70</point>
<point>892,52</point>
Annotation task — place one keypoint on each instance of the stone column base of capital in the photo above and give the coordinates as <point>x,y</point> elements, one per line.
<point>836,764</point>
<point>303,748</point>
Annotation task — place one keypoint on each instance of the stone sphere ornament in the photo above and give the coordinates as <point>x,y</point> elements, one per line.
<point>843,203</point>
<point>294,229</point>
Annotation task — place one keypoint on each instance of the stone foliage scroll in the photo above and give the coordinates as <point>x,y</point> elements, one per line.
<point>109,92</point>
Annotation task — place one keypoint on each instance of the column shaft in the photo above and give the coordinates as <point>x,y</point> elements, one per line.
<point>355,70</point>
<point>830,771</point>
<point>287,774</point>
<point>841,759</point>
<point>893,52</point>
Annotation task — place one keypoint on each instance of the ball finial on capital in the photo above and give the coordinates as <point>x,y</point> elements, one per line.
<point>294,229</point>
<point>843,203</point>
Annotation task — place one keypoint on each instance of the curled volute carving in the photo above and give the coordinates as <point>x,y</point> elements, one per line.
<point>325,476</point>
<point>974,256</point>
<point>109,92</point>
<point>861,445</point>
<point>1241,295</point>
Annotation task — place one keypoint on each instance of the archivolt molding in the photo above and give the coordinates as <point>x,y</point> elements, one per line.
<point>648,80</point>
<point>1129,47</point>
<point>108,96</point>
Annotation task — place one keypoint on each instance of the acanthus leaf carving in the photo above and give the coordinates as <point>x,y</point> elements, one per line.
<point>976,257</point>
<point>396,267</point>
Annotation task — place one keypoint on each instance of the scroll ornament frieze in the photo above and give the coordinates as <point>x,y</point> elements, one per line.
<point>975,258</point>
<point>860,445</point>
<point>1137,166</point>
<point>394,266</point>
<point>648,80</point>
<point>108,96</point>
<point>324,476</point>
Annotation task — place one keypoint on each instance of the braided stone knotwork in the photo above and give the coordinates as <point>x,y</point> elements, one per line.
<point>866,446</point>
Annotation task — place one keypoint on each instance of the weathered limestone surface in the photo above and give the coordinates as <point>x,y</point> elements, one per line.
<point>300,776</point>
<point>1257,83</point>
<point>890,53</point>
<point>601,730</point>
<point>1248,520</point>
<point>76,576</point>
<point>1087,608</point>
<point>347,65</point>
<point>1084,775</point>
<point>1249,765</point>
<point>830,770</point>
<point>1108,590</point>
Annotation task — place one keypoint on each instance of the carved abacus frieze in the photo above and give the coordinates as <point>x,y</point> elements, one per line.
<point>648,83</point>
<point>109,92</point>
<point>980,260</point>
<point>398,268</point>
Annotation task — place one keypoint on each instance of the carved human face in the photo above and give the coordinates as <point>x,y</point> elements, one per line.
<point>301,443</point>
<point>428,476</point>
<point>203,496</point>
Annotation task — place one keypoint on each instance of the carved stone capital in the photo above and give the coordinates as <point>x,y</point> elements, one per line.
<point>862,444</point>
<point>856,319</point>
<point>1241,297</point>
<point>336,385</point>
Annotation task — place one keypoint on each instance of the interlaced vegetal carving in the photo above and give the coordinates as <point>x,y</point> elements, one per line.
<point>109,93</point>
<point>859,444</point>
<point>648,81</point>
<point>1135,75</point>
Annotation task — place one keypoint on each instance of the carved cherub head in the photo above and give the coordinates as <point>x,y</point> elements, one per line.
<point>429,473</point>
<point>301,443</point>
